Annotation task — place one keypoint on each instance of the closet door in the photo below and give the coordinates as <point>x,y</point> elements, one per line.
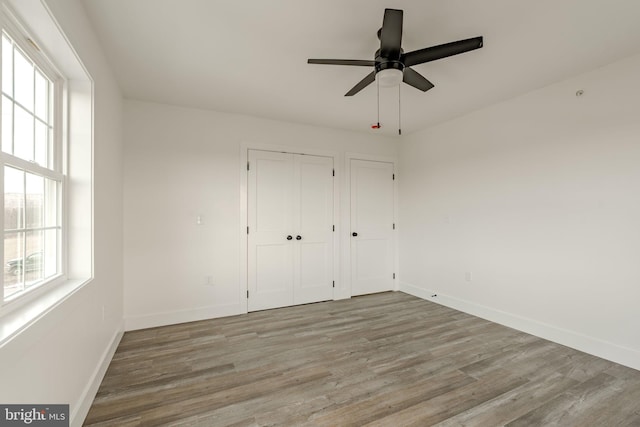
<point>313,215</point>
<point>371,227</point>
<point>290,234</point>
<point>271,228</point>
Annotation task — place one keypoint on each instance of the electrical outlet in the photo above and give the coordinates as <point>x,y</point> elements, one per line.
<point>468,276</point>
<point>209,281</point>
<point>103,313</point>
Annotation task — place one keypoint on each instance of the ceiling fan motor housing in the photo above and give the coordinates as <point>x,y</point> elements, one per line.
<point>386,65</point>
<point>394,66</point>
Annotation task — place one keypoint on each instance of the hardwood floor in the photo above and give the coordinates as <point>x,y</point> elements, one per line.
<point>381,360</point>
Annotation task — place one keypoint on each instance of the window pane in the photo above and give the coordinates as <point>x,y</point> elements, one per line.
<point>42,133</point>
<point>7,66</point>
<point>50,150</point>
<point>42,97</point>
<point>23,83</point>
<point>13,198</point>
<point>51,203</point>
<point>51,239</point>
<point>33,264</point>
<point>7,125</point>
<point>13,253</point>
<point>35,201</point>
<point>23,134</point>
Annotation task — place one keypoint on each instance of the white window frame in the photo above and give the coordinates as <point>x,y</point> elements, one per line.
<point>29,46</point>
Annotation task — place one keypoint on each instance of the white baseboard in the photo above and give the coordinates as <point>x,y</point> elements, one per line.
<point>606,350</point>
<point>153,320</point>
<point>81,409</point>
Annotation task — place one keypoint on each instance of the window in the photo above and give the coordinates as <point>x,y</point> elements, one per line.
<point>46,118</point>
<point>32,176</point>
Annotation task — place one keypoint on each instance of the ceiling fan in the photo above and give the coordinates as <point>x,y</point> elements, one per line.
<point>391,63</point>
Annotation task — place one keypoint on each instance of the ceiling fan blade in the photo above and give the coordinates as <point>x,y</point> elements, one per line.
<point>442,51</point>
<point>415,79</point>
<point>391,34</point>
<point>358,62</point>
<point>362,84</point>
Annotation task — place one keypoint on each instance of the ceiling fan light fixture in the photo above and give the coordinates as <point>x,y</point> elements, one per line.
<point>389,77</point>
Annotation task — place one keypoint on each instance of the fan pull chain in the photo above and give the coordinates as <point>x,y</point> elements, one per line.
<point>377,125</point>
<point>399,122</point>
<point>378,86</point>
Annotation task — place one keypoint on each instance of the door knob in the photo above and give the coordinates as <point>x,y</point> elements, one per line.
<point>289,237</point>
<point>354,234</point>
<point>298,237</point>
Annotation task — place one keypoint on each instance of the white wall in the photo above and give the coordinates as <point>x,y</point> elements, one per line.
<point>539,199</point>
<point>181,163</point>
<point>60,358</point>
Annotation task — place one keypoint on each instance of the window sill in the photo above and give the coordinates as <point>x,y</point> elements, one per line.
<point>17,320</point>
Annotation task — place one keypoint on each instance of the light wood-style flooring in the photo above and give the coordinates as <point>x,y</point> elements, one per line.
<point>380,360</point>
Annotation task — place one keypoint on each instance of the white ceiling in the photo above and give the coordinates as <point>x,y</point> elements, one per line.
<point>250,57</point>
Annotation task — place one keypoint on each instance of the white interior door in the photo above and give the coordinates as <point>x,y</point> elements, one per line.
<point>290,238</point>
<point>313,213</point>
<point>270,216</point>
<point>371,227</point>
